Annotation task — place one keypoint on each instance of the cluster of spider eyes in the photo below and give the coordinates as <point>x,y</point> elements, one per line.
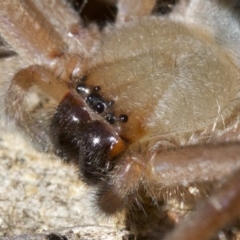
<point>97,103</point>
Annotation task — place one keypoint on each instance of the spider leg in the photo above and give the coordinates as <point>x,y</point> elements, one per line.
<point>18,29</point>
<point>61,18</point>
<point>169,168</point>
<point>50,70</point>
<point>22,107</point>
<point>218,211</point>
<point>194,163</point>
<point>130,10</point>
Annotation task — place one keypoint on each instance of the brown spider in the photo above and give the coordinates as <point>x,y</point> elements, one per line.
<point>146,105</point>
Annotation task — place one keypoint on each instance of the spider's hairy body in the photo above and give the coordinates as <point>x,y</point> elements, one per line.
<point>167,80</point>
<point>151,102</point>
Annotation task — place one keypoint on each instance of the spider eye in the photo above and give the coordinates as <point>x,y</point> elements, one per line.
<point>96,88</point>
<point>90,144</point>
<point>96,102</point>
<point>99,107</point>
<point>82,89</point>
<point>123,118</point>
<point>110,118</point>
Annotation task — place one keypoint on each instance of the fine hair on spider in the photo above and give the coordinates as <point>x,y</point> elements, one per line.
<point>145,105</point>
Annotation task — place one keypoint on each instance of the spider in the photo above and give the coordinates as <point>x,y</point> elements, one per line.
<point>143,106</point>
